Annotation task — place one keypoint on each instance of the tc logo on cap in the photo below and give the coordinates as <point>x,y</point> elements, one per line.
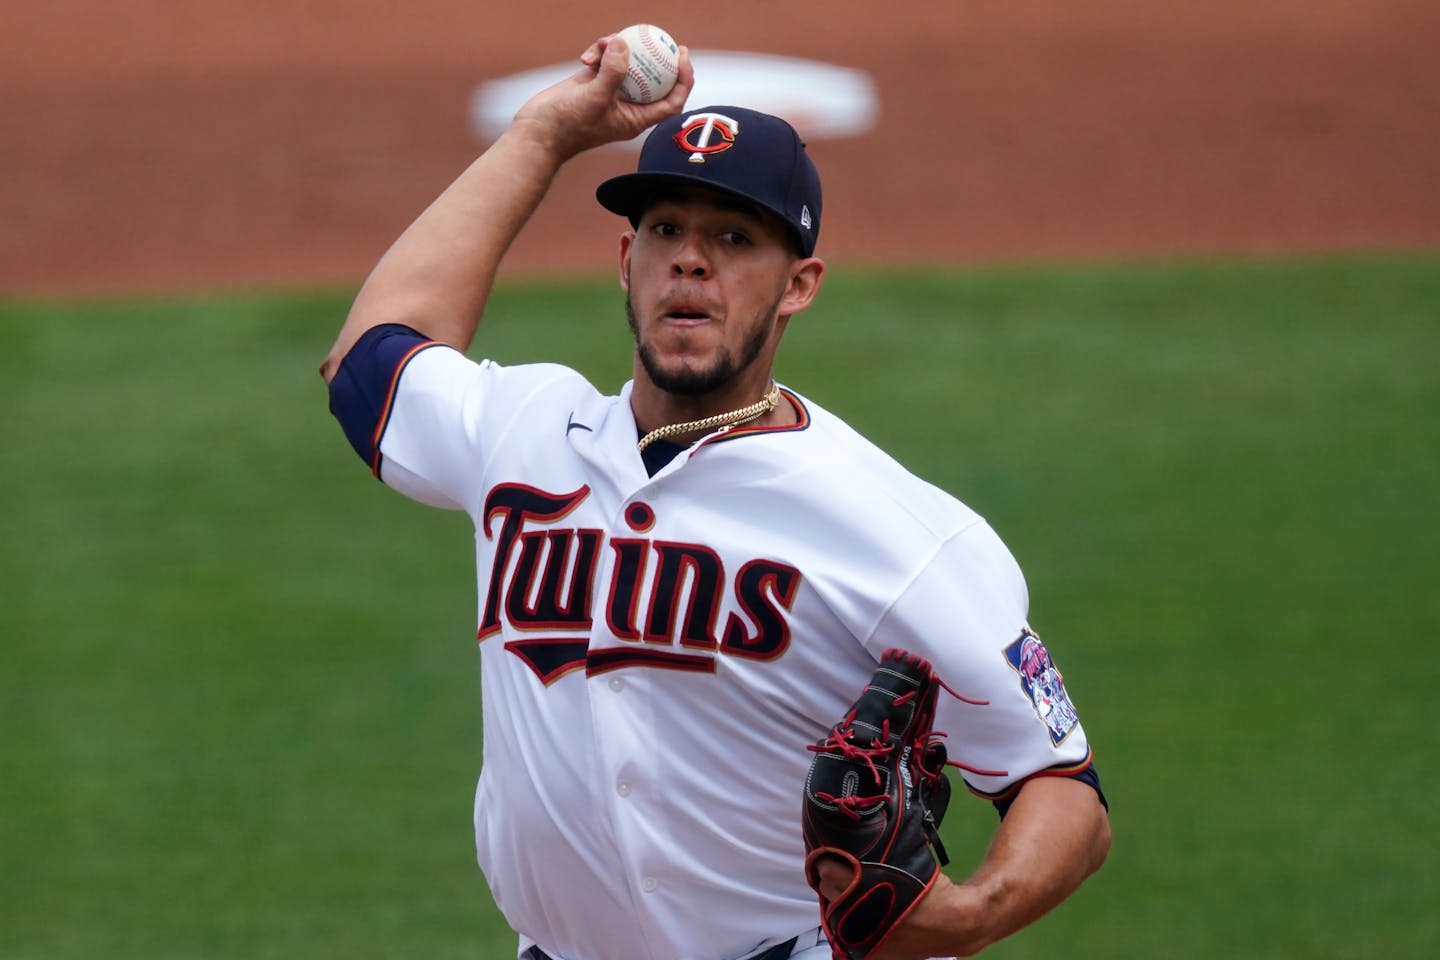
<point>698,136</point>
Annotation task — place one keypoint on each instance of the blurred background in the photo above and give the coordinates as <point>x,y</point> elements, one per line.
<point>1154,288</point>
<point>155,143</point>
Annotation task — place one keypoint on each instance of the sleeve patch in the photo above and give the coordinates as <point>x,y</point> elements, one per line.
<point>1043,684</point>
<point>363,389</point>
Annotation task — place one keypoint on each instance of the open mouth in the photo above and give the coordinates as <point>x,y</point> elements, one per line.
<point>686,308</point>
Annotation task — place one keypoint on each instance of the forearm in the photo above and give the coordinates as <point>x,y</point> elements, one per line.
<point>1056,834</point>
<point>437,276</point>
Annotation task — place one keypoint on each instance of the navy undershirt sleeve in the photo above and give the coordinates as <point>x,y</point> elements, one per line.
<point>1089,776</point>
<point>363,388</point>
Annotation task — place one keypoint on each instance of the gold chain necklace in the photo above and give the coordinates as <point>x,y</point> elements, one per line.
<point>727,420</point>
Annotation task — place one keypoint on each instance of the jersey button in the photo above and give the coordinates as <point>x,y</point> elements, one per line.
<point>649,884</point>
<point>617,684</point>
<point>622,788</point>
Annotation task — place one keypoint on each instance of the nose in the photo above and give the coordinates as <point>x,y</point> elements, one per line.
<point>690,260</point>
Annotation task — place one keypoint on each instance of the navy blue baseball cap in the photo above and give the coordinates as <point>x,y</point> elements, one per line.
<point>750,155</point>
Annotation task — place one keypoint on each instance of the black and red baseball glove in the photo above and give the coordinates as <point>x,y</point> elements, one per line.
<point>874,799</point>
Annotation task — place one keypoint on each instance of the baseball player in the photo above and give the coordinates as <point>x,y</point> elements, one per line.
<point>681,586</point>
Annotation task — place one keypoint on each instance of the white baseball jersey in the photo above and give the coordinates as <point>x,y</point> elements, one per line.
<point>657,651</point>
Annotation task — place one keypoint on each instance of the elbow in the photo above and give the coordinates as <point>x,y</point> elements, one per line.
<point>1099,842</point>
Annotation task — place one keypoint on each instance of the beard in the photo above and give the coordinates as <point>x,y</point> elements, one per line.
<point>689,381</point>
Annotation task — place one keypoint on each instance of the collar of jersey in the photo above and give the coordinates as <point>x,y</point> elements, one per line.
<point>802,421</point>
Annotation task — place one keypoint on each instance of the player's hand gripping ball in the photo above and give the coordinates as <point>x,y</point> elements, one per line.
<point>654,63</point>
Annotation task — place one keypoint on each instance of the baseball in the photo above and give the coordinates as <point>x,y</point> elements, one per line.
<point>654,63</point>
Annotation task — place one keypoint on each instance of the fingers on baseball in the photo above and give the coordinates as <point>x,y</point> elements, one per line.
<point>684,81</point>
<point>613,69</point>
<point>592,53</point>
<point>614,58</point>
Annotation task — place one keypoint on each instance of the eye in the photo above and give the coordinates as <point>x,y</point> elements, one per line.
<point>735,238</point>
<point>663,228</point>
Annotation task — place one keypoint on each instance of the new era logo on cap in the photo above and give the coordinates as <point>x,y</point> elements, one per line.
<point>752,155</point>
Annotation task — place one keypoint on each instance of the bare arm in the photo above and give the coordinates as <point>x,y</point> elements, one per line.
<point>1055,835</point>
<point>437,276</point>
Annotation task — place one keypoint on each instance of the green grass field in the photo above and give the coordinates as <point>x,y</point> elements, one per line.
<point>239,704</point>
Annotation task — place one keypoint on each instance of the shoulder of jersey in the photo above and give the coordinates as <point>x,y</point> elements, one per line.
<point>834,461</point>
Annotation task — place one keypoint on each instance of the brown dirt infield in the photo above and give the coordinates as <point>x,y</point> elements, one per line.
<point>149,145</point>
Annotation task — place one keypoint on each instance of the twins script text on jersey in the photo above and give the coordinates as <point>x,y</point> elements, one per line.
<point>558,593</point>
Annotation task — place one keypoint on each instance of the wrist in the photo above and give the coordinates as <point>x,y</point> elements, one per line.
<point>948,921</point>
<point>541,141</point>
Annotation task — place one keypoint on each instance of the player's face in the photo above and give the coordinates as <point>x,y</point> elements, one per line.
<point>709,285</point>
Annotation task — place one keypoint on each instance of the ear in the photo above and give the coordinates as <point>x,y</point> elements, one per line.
<point>805,278</point>
<point>627,241</point>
